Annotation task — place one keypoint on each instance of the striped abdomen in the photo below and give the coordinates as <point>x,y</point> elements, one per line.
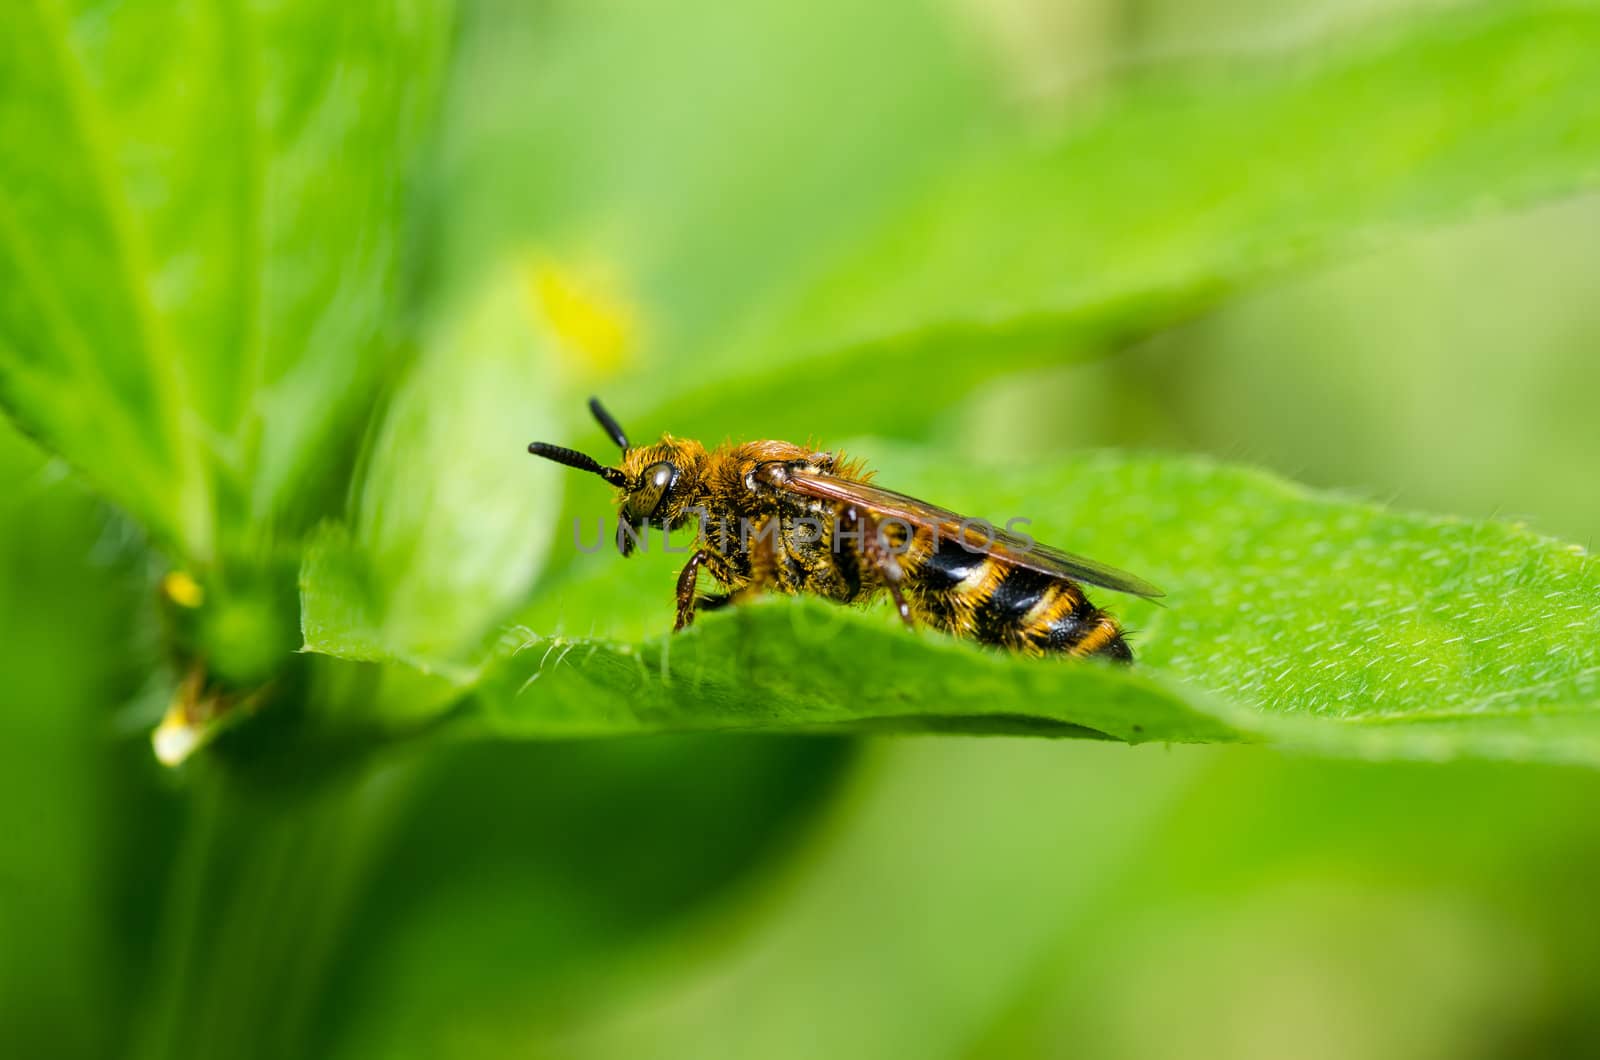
<point>973,594</point>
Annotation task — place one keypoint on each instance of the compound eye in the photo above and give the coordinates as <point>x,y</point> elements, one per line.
<point>654,485</point>
<point>660,475</point>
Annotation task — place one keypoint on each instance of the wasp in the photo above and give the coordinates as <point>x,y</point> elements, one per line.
<point>777,516</point>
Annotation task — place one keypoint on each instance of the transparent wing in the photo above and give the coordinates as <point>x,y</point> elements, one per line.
<point>974,533</point>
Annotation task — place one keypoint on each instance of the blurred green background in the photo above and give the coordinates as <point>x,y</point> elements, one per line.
<point>664,178</point>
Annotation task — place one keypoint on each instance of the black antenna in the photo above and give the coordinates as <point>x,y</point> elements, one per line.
<point>582,461</point>
<point>613,428</point>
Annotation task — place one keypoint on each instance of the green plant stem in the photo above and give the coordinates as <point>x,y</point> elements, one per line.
<point>253,918</point>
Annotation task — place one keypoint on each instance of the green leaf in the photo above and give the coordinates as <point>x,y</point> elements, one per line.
<point>697,155</point>
<point>1297,618</point>
<point>1182,186</point>
<point>452,520</point>
<point>201,253</point>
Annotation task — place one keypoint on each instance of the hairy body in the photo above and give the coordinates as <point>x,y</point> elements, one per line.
<point>778,517</point>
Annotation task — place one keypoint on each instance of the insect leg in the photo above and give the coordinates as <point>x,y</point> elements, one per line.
<point>691,602</point>
<point>763,547</point>
<point>877,552</point>
<point>686,591</point>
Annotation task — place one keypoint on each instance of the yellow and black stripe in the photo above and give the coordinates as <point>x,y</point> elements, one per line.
<point>984,597</point>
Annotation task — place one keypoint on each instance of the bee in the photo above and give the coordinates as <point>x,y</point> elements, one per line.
<point>775,516</point>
